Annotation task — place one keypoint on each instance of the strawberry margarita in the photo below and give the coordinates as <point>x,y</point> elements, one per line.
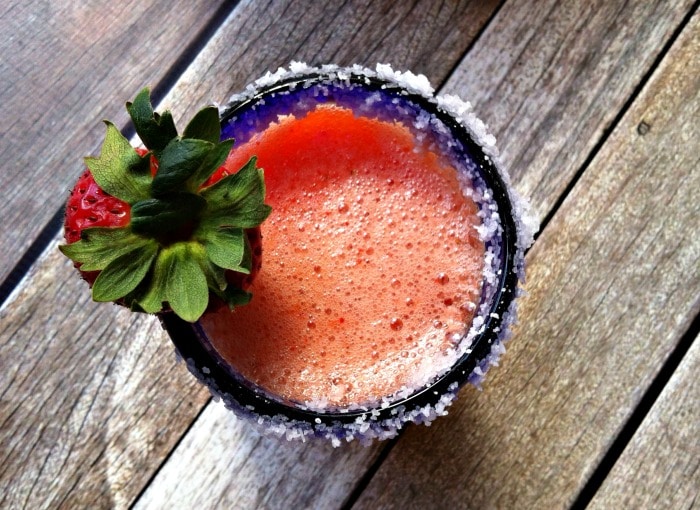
<point>391,256</point>
<point>373,264</point>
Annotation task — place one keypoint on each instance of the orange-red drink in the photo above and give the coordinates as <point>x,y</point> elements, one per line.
<point>373,264</point>
<point>391,258</point>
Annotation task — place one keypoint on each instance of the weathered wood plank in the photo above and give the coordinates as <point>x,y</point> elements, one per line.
<point>549,77</point>
<point>92,399</point>
<point>64,67</point>
<point>613,284</point>
<point>225,464</point>
<point>662,462</point>
<point>88,393</point>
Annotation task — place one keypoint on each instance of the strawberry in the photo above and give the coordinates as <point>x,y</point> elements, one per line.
<point>168,226</point>
<point>89,206</point>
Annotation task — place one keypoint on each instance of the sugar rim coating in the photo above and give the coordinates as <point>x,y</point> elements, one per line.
<point>301,422</point>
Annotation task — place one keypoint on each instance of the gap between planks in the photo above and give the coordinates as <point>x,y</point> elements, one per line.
<point>640,418</point>
<point>663,459</point>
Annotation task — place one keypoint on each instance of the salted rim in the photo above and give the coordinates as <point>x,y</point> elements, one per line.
<point>247,399</point>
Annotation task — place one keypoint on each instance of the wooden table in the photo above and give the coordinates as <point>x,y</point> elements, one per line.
<point>596,106</point>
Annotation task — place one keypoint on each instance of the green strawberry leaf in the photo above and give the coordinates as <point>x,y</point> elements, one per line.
<point>247,260</point>
<point>250,217</point>
<point>216,276</point>
<point>155,130</point>
<point>234,297</point>
<point>99,246</point>
<point>236,200</point>
<point>178,163</point>
<point>124,273</point>
<point>119,170</point>
<point>213,160</point>
<point>156,217</point>
<point>186,286</point>
<point>205,125</point>
<point>225,247</point>
<point>182,238</point>
<point>151,294</point>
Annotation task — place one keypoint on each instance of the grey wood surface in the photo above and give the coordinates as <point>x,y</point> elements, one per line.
<point>591,104</point>
<point>224,463</point>
<point>662,462</point>
<point>92,398</point>
<point>550,77</point>
<point>258,37</point>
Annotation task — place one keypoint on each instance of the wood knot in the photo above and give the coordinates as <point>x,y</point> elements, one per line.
<point>643,128</point>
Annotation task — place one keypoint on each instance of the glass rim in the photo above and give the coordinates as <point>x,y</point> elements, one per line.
<point>219,375</point>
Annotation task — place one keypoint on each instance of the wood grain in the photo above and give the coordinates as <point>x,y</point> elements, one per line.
<point>89,394</point>
<point>613,284</point>
<point>225,464</point>
<point>549,78</point>
<point>65,66</point>
<point>662,462</point>
<point>92,399</point>
<point>424,36</point>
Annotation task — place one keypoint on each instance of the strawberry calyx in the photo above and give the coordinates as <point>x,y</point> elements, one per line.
<point>182,236</point>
